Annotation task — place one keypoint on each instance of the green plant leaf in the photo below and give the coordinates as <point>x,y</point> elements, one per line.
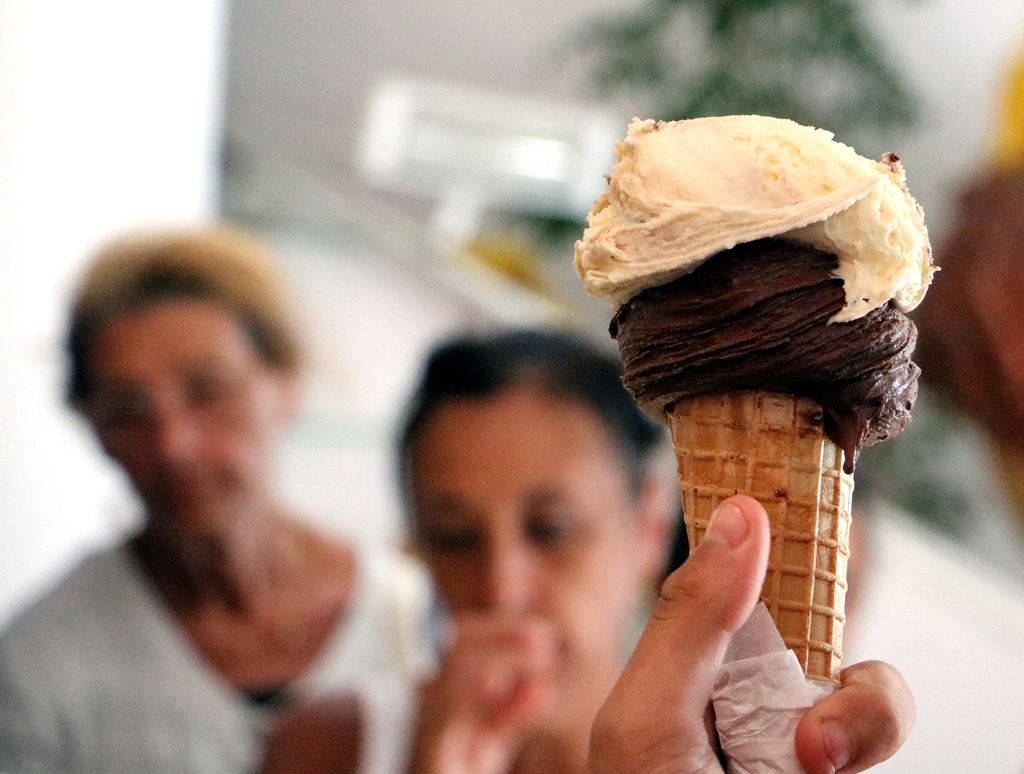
<point>815,61</point>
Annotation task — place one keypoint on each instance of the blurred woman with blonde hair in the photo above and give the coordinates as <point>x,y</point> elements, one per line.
<point>179,648</point>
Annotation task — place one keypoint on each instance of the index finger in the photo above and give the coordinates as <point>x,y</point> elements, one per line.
<point>861,724</point>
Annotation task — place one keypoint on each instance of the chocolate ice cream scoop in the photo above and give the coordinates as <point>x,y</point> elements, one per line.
<point>757,317</point>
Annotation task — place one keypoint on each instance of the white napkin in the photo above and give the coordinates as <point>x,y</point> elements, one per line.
<point>759,697</point>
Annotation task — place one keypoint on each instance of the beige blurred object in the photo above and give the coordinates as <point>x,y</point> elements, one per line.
<point>773,448</point>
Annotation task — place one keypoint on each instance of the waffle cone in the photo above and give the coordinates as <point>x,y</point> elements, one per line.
<point>773,448</point>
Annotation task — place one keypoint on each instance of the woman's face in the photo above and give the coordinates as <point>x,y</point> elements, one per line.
<point>185,404</point>
<point>523,507</point>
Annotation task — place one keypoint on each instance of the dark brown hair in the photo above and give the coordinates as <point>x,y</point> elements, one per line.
<point>556,363</point>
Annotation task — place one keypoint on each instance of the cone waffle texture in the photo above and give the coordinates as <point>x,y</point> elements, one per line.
<point>772,447</point>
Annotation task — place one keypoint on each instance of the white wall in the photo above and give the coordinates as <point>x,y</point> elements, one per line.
<point>957,53</point>
<point>109,118</point>
<point>301,73</point>
<point>368,329</point>
<point>954,628</point>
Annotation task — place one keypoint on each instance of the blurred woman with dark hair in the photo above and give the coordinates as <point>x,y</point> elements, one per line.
<point>535,499</point>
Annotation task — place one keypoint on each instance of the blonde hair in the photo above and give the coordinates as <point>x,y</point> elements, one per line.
<point>220,265</point>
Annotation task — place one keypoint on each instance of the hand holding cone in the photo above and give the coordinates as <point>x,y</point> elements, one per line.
<point>772,447</point>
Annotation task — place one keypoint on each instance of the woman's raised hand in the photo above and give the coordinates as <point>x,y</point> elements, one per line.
<point>495,680</point>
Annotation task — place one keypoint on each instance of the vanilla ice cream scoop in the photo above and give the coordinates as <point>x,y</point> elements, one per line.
<point>683,191</point>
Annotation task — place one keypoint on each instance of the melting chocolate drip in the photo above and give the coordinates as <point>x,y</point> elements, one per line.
<point>756,318</point>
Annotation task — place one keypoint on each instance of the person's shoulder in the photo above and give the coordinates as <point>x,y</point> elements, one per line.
<point>90,602</point>
<point>386,626</point>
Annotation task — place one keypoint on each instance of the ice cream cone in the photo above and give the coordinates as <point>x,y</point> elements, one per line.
<point>773,448</point>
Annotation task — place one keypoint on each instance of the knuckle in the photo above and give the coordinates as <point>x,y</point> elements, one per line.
<point>701,599</point>
<point>679,589</point>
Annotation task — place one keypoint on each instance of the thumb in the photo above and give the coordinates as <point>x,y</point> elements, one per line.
<point>711,595</point>
<point>657,708</point>
<point>717,587</point>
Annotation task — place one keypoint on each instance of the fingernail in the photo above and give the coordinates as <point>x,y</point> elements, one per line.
<point>728,525</point>
<point>837,743</point>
